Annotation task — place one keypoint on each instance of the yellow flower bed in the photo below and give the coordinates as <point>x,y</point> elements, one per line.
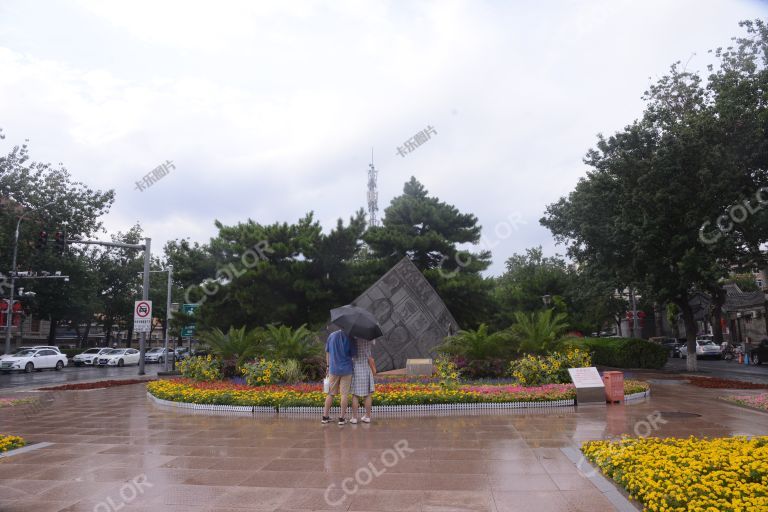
<point>8,442</point>
<point>708,475</point>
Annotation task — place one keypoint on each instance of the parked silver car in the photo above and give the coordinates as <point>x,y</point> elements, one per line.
<point>704,348</point>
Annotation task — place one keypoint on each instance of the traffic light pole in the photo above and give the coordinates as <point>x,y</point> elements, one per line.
<point>9,315</point>
<point>145,289</point>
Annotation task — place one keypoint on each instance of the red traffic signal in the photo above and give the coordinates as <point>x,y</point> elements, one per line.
<point>42,240</point>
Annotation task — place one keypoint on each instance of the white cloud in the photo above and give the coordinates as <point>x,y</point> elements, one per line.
<point>269,109</point>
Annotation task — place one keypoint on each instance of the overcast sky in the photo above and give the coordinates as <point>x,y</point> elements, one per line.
<point>270,109</point>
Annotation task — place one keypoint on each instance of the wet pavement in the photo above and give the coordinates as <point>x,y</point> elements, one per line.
<point>115,450</point>
<point>71,375</point>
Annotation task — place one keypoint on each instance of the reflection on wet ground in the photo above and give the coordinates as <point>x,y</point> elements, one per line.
<point>113,449</point>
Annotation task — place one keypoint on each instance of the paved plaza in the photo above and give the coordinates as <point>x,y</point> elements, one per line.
<point>112,449</point>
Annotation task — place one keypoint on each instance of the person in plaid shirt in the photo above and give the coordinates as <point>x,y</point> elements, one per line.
<point>364,368</point>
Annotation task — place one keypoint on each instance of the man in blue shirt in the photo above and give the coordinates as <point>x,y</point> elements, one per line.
<point>338,356</point>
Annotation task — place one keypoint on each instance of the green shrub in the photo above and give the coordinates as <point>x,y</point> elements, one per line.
<point>291,371</point>
<point>552,369</point>
<point>313,368</point>
<point>445,370</point>
<point>621,352</point>
<point>200,368</point>
<point>262,372</point>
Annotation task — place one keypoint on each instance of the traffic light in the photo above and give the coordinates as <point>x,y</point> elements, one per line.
<point>42,241</point>
<point>61,243</point>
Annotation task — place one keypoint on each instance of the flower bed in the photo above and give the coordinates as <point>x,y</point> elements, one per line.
<point>10,402</point>
<point>723,475</point>
<point>8,442</point>
<point>756,401</point>
<point>96,385</point>
<point>717,383</point>
<point>390,393</point>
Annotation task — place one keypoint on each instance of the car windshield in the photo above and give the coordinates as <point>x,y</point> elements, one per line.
<point>154,350</point>
<point>115,352</point>
<point>26,353</point>
<point>92,351</point>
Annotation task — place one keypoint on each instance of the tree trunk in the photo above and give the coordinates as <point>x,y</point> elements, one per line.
<point>658,320</point>
<point>84,340</point>
<point>52,332</point>
<point>130,335</point>
<point>718,299</point>
<point>77,333</point>
<point>690,334</point>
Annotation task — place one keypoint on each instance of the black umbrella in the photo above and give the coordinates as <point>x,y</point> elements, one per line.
<point>356,322</point>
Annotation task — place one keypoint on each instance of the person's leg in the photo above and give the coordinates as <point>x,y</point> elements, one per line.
<point>355,407</point>
<point>368,405</point>
<point>333,389</point>
<point>345,383</point>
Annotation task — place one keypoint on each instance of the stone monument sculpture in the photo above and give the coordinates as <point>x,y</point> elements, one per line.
<point>411,314</point>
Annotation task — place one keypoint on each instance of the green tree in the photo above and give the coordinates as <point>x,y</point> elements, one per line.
<point>53,202</point>
<point>537,332</point>
<point>637,213</point>
<point>478,344</point>
<point>429,232</point>
<point>237,346</point>
<point>287,343</point>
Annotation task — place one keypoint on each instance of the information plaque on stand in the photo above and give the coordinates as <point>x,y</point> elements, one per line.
<point>589,386</point>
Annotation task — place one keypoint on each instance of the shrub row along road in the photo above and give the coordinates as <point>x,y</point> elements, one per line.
<point>72,374</point>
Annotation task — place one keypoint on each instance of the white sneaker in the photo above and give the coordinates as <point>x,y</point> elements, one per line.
<point>366,419</point>
<point>353,421</point>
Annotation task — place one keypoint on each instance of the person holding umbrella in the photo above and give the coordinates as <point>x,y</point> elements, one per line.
<point>354,322</point>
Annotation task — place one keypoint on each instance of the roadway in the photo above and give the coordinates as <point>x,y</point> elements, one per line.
<point>71,375</point>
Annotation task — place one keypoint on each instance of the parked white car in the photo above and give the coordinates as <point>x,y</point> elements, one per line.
<point>704,348</point>
<point>34,359</point>
<point>120,357</point>
<point>156,355</point>
<point>22,349</point>
<point>90,357</point>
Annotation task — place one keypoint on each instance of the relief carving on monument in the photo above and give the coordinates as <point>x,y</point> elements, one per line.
<point>412,316</point>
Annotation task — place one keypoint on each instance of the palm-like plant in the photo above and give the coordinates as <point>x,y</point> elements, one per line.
<point>287,343</point>
<point>538,331</point>
<point>477,345</point>
<point>236,346</point>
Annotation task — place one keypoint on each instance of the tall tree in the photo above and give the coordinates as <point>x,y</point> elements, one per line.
<point>638,212</point>
<point>51,201</point>
<point>430,232</point>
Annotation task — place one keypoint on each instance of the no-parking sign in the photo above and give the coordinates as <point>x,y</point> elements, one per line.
<point>142,316</point>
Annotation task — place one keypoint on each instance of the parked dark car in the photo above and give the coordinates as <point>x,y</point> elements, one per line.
<point>671,344</point>
<point>760,353</point>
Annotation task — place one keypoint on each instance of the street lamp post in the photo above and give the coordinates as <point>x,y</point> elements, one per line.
<point>13,277</point>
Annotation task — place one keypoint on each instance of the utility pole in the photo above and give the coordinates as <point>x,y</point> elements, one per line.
<point>144,296</point>
<point>168,318</point>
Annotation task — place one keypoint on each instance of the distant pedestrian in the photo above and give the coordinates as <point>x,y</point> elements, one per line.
<point>362,379</point>
<point>338,356</point>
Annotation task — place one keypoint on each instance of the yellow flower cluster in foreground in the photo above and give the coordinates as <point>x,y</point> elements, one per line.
<point>707,475</point>
<point>10,442</point>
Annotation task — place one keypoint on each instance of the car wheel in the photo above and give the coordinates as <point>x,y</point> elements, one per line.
<point>120,363</point>
<point>160,360</point>
<point>29,367</point>
<point>755,359</point>
<point>59,365</point>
